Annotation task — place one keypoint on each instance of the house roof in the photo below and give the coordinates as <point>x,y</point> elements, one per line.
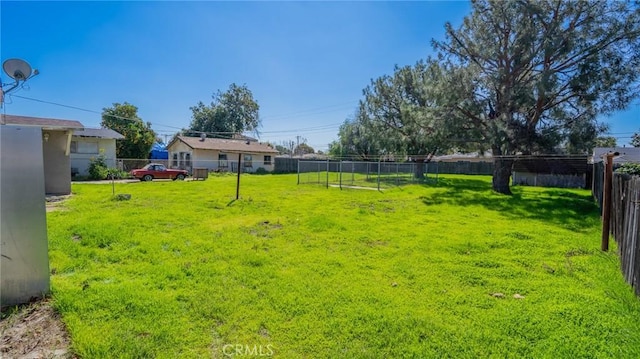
<point>45,123</point>
<point>627,154</point>
<point>221,144</point>
<point>99,133</point>
<point>473,156</point>
<point>558,165</point>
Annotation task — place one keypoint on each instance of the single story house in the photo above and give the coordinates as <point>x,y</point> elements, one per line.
<point>56,148</point>
<point>626,154</point>
<point>89,143</point>
<point>474,163</point>
<point>465,157</point>
<point>219,154</point>
<point>571,171</point>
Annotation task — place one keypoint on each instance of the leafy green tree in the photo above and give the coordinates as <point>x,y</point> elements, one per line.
<point>606,141</point>
<point>138,135</point>
<point>358,140</point>
<point>230,112</point>
<point>635,139</point>
<point>303,149</point>
<point>528,75</point>
<point>404,113</point>
<point>282,150</point>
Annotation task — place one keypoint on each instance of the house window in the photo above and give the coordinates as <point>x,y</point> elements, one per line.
<point>187,160</point>
<point>90,148</point>
<point>175,160</point>
<point>247,161</point>
<point>267,160</point>
<point>222,160</point>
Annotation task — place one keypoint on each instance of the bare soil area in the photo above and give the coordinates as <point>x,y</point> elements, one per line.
<point>55,203</point>
<point>33,331</point>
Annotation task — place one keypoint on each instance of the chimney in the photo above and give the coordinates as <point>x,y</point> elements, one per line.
<point>203,136</point>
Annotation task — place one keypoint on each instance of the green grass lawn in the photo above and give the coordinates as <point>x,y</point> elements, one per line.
<point>183,270</point>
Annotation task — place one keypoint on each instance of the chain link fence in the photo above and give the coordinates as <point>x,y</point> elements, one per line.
<point>374,175</point>
<point>248,165</point>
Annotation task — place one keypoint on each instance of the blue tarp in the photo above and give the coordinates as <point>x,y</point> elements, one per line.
<point>159,152</point>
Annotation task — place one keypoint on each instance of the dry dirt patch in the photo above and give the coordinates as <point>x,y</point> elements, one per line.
<point>55,203</point>
<point>33,331</point>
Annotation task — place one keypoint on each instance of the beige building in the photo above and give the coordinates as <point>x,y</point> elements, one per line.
<point>217,154</point>
<point>91,143</point>
<point>56,149</point>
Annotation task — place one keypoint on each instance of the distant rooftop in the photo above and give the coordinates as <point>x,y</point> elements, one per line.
<point>228,145</point>
<point>45,123</point>
<point>99,133</point>
<point>626,154</point>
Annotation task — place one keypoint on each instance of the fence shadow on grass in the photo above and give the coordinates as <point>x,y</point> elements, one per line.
<point>564,208</point>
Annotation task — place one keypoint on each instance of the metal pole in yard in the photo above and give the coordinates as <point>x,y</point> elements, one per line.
<point>340,174</point>
<point>606,200</point>
<point>327,173</point>
<point>353,171</point>
<point>298,162</point>
<point>238,183</point>
<point>378,174</point>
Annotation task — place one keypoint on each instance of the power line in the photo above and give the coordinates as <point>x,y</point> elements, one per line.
<point>54,103</point>
<point>88,110</point>
<point>306,130</point>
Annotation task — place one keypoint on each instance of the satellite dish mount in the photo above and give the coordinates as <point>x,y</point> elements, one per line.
<point>20,71</point>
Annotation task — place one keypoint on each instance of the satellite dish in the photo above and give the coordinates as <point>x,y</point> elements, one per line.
<point>17,69</point>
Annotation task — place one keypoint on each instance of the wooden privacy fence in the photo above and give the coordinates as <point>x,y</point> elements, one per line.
<point>625,225</point>
<point>285,165</point>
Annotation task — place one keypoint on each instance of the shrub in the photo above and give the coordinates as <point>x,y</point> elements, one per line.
<point>117,174</point>
<point>629,168</point>
<point>261,171</point>
<point>98,168</point>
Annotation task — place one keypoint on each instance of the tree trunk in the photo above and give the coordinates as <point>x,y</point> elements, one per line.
<point>419,170</point>
<point>502,175</point>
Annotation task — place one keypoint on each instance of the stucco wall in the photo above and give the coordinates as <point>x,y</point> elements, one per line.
<point>81,161</point>
<point>57,165</point>
<point>24,263</point>
<point>210,159</point>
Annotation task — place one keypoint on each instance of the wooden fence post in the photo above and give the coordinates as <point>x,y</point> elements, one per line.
<point>606,200</point>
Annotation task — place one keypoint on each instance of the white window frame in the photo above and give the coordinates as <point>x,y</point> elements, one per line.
<point>84,147</point>
<point>223,162</point>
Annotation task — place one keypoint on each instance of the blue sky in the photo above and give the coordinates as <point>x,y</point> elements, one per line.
<point>305,62</point>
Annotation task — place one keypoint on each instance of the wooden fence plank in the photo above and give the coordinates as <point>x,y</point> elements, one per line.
<point>625,225</point>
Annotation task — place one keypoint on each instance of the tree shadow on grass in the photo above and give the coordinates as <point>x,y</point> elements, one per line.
<point>564,208</point>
